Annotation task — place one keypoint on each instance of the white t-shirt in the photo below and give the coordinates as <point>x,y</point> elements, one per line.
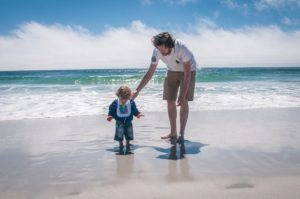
<point>179,54</point>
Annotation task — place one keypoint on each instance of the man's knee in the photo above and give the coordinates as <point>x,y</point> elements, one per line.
<point>184,105</point>
<point>171,103</point>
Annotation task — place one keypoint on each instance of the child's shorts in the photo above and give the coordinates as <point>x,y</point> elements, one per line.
<point>123,129</point>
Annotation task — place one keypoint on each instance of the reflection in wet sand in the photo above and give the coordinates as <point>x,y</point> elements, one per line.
<point>178,151</point>
<point>250,154</point>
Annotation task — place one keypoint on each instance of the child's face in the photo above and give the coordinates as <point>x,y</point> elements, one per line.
<point>123,100</point>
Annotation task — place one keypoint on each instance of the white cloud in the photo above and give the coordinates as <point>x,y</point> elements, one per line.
<point>233,4</point>
<point>249,46</point>
<point>264,4</point>
<point>290,22</point>
<point>243,7</point>
<point>205,23</point>
<point>37,46</point>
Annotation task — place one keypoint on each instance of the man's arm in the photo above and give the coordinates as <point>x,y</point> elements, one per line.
<point>186,83</point>
<point>144,80</point>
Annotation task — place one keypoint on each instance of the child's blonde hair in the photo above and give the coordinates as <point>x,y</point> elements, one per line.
<point>124,92</point>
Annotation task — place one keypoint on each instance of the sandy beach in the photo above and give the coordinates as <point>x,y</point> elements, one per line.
<point>227,154</point>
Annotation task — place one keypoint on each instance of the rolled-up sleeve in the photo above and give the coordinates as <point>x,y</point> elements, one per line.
<point>154,58</point>
<point>186,54</point>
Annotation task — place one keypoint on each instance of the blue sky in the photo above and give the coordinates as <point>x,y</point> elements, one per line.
<point>196,21</point>
<point>96,15</point>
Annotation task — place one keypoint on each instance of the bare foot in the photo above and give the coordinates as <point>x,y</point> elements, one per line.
<point>128,147</point>
<point>169,136</point>
<point>180,139</point>
<point>121,145</point>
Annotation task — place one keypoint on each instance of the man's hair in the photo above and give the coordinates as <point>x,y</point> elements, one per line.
<point>163,38</point>
<point>124,92</point>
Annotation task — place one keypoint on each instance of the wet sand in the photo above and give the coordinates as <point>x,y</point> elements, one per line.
<point>227,154</point>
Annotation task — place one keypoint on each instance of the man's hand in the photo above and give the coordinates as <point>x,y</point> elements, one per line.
<point>109,118</point>
<point>134,94</point>
<point>140,115</point>
<point>181,100</point>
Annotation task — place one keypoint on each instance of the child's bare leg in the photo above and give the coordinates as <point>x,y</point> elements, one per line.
<point>127,143</point>
<point>121,144</point>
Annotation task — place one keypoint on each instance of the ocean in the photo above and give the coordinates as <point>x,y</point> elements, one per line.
<point>64,93</point>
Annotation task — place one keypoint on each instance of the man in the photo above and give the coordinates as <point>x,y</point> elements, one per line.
<point>180,75</point>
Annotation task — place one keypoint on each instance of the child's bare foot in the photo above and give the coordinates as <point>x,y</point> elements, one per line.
<point>127,146</point>
<point>121,145</point>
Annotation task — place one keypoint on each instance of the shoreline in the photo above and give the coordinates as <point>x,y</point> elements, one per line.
<point>163,112</point>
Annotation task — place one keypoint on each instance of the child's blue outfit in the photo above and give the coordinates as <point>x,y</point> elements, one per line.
<point>123,114</point>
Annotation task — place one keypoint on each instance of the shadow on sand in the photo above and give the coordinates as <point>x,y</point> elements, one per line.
<point>178,151</point>
<point>122,151</point>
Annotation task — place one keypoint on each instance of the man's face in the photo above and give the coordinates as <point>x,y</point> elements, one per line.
<point>164,50</point>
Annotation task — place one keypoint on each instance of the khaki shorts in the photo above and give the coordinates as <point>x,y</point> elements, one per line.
<point>174,81</point>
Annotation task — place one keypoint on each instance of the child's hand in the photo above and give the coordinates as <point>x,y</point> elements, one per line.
<point>109,118</point>
<point>140,115</point>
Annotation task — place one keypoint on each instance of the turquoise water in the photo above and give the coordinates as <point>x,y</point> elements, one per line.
<point>61,93</point>
<point>123,76</point>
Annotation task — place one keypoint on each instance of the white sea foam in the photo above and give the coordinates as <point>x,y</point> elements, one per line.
<point>42,101</point>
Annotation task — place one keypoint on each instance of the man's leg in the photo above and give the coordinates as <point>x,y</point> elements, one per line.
<point>172,112</point>
<point>184,114</point>
<point>171,86</point>
<point>184,108</point>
